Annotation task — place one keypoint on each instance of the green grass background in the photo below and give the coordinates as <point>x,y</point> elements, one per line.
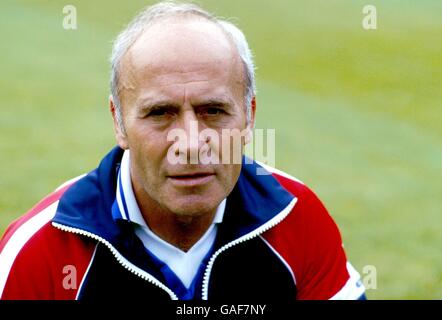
<point>357,113</point>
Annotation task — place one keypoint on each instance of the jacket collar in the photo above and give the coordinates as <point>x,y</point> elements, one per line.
<point>87,205</point>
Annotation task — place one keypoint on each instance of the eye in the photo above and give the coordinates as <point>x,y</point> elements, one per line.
<point>159,112</point>
<point>214,111</point>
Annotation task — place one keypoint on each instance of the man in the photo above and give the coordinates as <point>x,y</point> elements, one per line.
<point>154,221</point>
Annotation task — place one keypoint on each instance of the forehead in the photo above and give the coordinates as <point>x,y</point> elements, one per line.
<point>183,38</point>
<point>194,49</point>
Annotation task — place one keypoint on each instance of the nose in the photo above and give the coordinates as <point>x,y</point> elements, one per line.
<point>192,127</point>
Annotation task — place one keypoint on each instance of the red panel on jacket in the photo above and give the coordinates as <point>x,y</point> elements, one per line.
<point>310,242</point>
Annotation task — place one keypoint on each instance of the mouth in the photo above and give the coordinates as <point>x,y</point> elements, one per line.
<point>191,179</point>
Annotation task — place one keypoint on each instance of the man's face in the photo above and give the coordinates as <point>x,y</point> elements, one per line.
<point>180,73</point>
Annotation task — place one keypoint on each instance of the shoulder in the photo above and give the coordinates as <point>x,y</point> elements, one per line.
<point>309,242</point>
<point>33,253</point>
<point>306,197</point>
<point>309,216</point>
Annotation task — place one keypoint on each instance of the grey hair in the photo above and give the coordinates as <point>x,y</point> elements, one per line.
<point>165,9</point>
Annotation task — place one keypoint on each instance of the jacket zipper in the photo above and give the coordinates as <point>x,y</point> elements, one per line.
<point>120,258</point>
<point>265,227</point>
<point>205,287</point>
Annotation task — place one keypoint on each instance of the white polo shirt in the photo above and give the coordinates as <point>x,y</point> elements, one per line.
<point>185,265</point>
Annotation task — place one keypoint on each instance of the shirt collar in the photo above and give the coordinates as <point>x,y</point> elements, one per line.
<point>127,204</point>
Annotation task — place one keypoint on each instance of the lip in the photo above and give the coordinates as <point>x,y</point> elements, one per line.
<point>191,179</point>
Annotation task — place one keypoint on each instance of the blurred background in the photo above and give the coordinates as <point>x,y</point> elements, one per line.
<point>357,113</point>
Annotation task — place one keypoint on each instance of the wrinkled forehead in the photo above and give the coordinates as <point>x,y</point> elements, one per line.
<point>180,45</point>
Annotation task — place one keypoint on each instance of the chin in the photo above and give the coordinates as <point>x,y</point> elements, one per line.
<point>194,207</point>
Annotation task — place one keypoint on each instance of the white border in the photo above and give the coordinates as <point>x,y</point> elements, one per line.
<point>19,239</point>
<point>280,258</point>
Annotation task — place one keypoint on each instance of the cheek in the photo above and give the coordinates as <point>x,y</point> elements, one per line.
<point>230,176</point>
<point>149,146</point>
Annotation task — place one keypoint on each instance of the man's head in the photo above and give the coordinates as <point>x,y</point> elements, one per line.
<point>174,66</point>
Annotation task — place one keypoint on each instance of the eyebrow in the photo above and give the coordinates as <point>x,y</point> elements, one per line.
<point>147,105</point>
<point>213,103</point>
<point>151,105</point>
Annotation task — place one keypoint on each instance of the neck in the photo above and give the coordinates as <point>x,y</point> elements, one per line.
<point>180,231</point>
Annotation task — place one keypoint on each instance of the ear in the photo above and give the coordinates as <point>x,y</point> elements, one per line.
<point>251,123</point>
<point>120,136</point>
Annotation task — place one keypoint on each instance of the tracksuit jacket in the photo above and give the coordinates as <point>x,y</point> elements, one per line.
<point>277,242</point>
